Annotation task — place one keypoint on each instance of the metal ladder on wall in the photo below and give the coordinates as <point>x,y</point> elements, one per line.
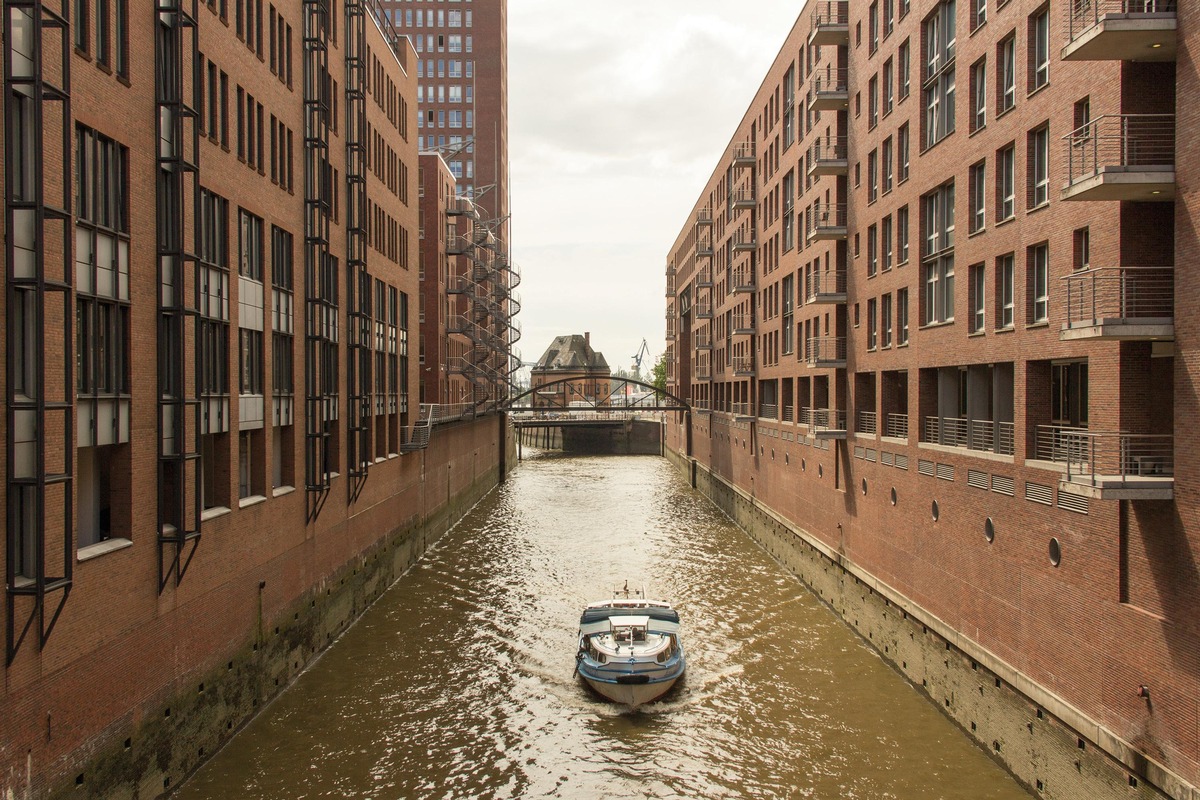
<point>179,466</point>
<point>40,403</point>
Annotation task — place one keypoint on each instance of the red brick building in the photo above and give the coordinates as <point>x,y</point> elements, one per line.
<point>570,371</point>
<point>212,417</point>
<point>927,312</point>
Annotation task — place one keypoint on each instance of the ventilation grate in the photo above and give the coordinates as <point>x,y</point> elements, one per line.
<point>1037,493</point>
<point>1002,485</point>
<point>977,479</point>
<point>925,467</point>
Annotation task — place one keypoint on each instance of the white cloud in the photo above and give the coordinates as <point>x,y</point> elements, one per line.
<point>617,114</point>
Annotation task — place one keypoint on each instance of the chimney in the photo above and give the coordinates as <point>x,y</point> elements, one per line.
<point>587,338</point>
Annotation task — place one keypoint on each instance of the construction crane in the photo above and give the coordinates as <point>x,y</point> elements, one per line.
<point>637,359</point>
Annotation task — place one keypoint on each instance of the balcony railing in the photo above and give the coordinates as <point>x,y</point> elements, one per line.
<point>670,284</point>
<point>704,276</point>
<point>744,239</point>
<point>971,434</point>
<point>789,413</point>
<point>824,420</point>
<point>704,247</point>
<point>830,23</point>
<point>701,404</point>
<point>825,286</point>
<point>1098,455</point>
<point>743,197</point>
<point>670,327</point>
<point>703,309</point>
<point>826,351</point>
<point>702,339</point>
<point>1122,157</point>
<point>1121,302</point>
<point>703,371</point>
<point>895,426</point>
<point>743,365</point>
<point>768,411</point>
<point>1144,30</point>
<point>829,89</point>
<point>743,322</point>
<point>743,278</point>
<point>827,221</point>
<point>704,216</point>
<point>743,154</point>
<point>829,155</point>
<point>867,423</point>
<point>740,409</point>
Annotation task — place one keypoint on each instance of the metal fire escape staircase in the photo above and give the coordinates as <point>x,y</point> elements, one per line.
<point>320,266</point>
<point>40,309</point>
<point>358,279</point>
<point>179,275</point>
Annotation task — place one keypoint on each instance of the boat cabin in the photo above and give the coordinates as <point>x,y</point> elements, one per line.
<point>628,629</point>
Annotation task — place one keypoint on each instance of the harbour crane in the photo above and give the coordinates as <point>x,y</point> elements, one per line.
<point>637,359</point>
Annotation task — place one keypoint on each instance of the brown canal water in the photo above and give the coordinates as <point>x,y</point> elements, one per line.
<point>459,682</point>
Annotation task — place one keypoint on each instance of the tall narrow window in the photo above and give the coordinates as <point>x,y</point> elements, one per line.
<point>885,242</point>
<point>1039,283</point>
<point>1039,49</point>
<point>885,322</point>
<point>889,87</point>
<point>1039,167</point>
<point>937,261</point>
<point>902,153</point>
<point>1006,184</point>
<point>887,169</point>
<point>978,197</point>
<point>902,235</point>
<point>903,67</point>
<point>1004,292</point>
<point>902,316</point>
<point>979,94</point>
<point>939,39</point>
<point>103,33</point>
<point>1006,66</point>
<point>978,297</point>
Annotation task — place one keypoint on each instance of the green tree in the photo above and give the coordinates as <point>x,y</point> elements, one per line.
<point>660,373</point>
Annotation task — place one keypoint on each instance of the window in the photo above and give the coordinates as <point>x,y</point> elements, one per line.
<point>889,86</point>
<point>1038,267</point>
<point>1039,167</point>
<point>886,167</point>
<point>103,33</point>
<point>902,235</point>
<point>872,251</point>
<point>873,102</point>
<point>885,241</point>
<point>873,28</point>
<point>82,15</point>
<point>903,65</point>
<point>902,150</point>
<point>1082,256</point>
<point>889,17</point>
<point>885,322</point>
<point>250,246</point>
<point>978,13</point>
<point>1006,66</point>
<point>977,297</point>
<point>872,176</point>
<point>121,37</point>
<point>937,256</point>
<point>872,323</point>
<point>1006,184</point>
<point>1004,292</point>
<point>902,316</point>
<point>1069,394</point>
<point>789,218</point>
<point>979,95</point>
<point>251,361</point>
<point>978,180</point>
<point>1039,49</point>
<point>938,82</point>
<point>789,332</point>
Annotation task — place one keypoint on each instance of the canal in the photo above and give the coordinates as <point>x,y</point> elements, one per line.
<point>458,682</point>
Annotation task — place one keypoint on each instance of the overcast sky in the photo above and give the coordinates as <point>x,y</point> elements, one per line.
<point>618,111</point>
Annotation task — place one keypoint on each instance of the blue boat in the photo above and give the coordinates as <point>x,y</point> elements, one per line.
<point>629,648</point>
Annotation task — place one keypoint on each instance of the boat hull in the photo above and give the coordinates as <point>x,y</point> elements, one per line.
<point>630,694</point>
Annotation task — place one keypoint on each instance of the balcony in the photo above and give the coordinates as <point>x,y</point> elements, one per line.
<point>704,217</point>
<point>827,352</point>
<point>704,278</point>
<point>825,286</point>
<point>1120,30</point>
<point>743,365</point>
<point>768,411</point>
<point>459,245</point>
<point>824,423</point>
<point>670,283</point>
<point>743,197</point>
<point>830,23</point>
<point>867,424</point>
<point>740,410</point>
<point>704,248</point>
<point>743,154</point>
<point>895,426</point>
<point>702,339</point>
<point>826,222</point>
<point>970,434</point>
<point>829,90</point>
<point>829,156</point>
<point>1122,157</point>
<point>702,309</point>
<point>670,328</point>
<point>743,323</point>
<point>1121,303</point>
<point>1112,465</point>
<point>703,371</point>
<point>743,279</point>
<point>745,241</point>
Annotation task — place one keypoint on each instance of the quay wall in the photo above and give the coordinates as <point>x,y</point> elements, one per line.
<point>134,716</point>
<point>1048,745</point>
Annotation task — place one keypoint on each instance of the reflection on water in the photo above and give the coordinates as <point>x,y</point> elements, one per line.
<point>459,682</point>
